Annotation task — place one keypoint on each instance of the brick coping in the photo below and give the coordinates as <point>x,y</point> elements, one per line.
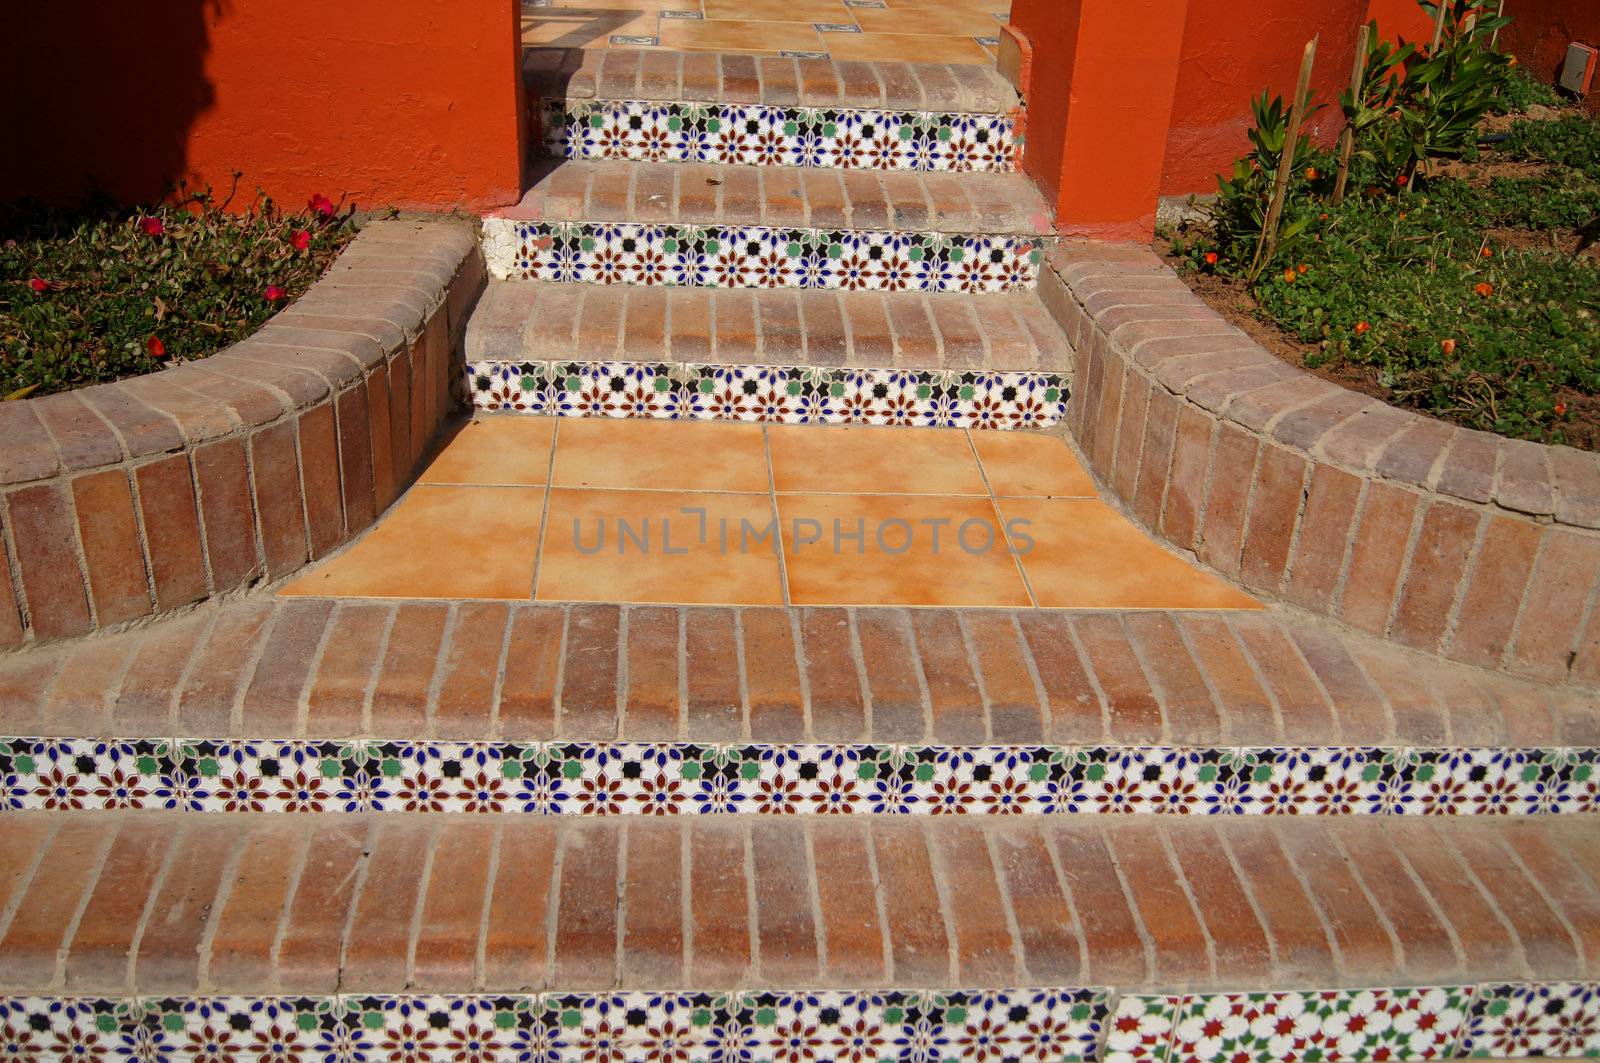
<point>137,498</point>
<point>1454,542</point>
<point>167,903</point>
<point>661,75</point>
<point>308,668</point>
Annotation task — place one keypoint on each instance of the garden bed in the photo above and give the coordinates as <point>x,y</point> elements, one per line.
<point>88,296</point>
<point>1470,293</point>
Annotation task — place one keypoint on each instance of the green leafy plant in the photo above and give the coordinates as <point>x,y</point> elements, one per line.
<point>1443,96</point>
<point>94,295</point>
<point>1244,199</point>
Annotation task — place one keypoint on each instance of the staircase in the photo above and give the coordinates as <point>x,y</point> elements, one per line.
<point>299,826</point>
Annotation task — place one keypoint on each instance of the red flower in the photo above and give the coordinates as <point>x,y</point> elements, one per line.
<point>1402,180</point>
<point>1362,328</point>
<point>274,293</point>
<point>1211,258</point>
<point>301,240</point>
<point>1447,346</point>
<point>1484,290</point>
<point>1304,267</point>
<point>155,347</point>
<point>1311,173</point>
<point>322,205</point>
<point>152,226</point>
<point>39,286</point>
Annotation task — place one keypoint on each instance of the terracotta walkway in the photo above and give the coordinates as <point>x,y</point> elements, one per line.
<point>933,31</point>
<point>593,509</point>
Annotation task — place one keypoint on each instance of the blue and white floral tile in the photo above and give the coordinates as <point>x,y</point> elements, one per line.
<point>757,135</point>
<point>1559,1020</point>
<point>756,256</point>
<point>926,398</point>
<point>615,778</point>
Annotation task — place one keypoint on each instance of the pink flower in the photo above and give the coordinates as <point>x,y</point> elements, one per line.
<point>300,240</point>
<point>322,205</point>
<point>274,293</point>
<point>155,347</point>
<point>39,286</point>
<point>152,226</point>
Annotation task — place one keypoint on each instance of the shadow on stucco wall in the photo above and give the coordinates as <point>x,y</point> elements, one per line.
<point>105,96</point>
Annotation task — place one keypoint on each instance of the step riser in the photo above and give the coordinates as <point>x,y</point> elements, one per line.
<point>1435,1022</point>
<point>672,255</point>
<point>623,778</point>
<point>754,135</point>
<point>928,398</point>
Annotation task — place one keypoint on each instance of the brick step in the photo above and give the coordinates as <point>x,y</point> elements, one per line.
<point>729,226</point>
<point>660,75</point>
<point>151,904</point>
<point>307,668</point>
<point>518,321</point>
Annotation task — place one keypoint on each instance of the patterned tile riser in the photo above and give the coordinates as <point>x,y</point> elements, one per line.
<point>1495,1021</point>
<point>598,778</point>
<point>757,135</point>
<point>922,1027</point>
<point>771,394</point>
<point>755,256</point>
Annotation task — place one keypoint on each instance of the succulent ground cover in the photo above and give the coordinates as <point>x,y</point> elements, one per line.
<point>95,294</point>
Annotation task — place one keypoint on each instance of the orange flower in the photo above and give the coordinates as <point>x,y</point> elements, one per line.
<point>1288,276</point>
<point>1402,215</point>
<point>1311,173</point>
<point>1487,252</point>
<point>1304,267</point>
<point>1561,409</point>
<point>1484,290</point>
<point>1447,346</point>
<point>1211,258</point>
<point>1323,216</point>
<point>1362,328</point>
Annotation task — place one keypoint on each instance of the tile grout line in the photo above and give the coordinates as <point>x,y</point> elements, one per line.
<point>544,511</point>
<point>1000,518</point>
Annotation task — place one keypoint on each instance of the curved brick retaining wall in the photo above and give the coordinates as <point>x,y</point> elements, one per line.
<point>133,499</point>
<point>1448,540</point>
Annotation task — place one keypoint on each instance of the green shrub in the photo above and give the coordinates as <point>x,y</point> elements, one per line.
<point>88,296</point>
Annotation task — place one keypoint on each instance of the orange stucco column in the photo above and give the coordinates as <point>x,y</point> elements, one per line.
<point>1099,106</point>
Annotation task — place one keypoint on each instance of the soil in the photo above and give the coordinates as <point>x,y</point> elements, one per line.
<point>1231,297</point>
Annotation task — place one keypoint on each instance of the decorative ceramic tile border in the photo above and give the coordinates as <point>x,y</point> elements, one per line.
<point>756,135</point>
<point>1441,1022</point>
<point>626,1027</point>
<point>920,1026</point>
<point>612,778</point>
<point>927,398</point>
<point>755,256</point>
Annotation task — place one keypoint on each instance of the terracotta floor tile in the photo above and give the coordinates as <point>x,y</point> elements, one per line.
<point>779,10</point>
<point>1086,555</point>
<point>816,458</point>
<point>945,20</point>
<point>820,574</point>
<point>635,6</point>
<point>656,455</point>
<point>586,28</point>
<point>693,573</point>
<point>1023,463</point>
<point>717,34</point>
<point>896,47</point>
<point>495,450</point>
<point>440,542</point>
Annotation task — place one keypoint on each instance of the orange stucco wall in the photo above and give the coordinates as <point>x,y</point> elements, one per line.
<point>407,103</point>
<point>1230,53</point>
<point>1099,100</point>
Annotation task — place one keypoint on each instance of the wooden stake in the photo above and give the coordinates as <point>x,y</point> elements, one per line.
<point>1494,38</point>
<point>1347,141</point>
<point>1438,27</point>
<point>1268,244</point>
